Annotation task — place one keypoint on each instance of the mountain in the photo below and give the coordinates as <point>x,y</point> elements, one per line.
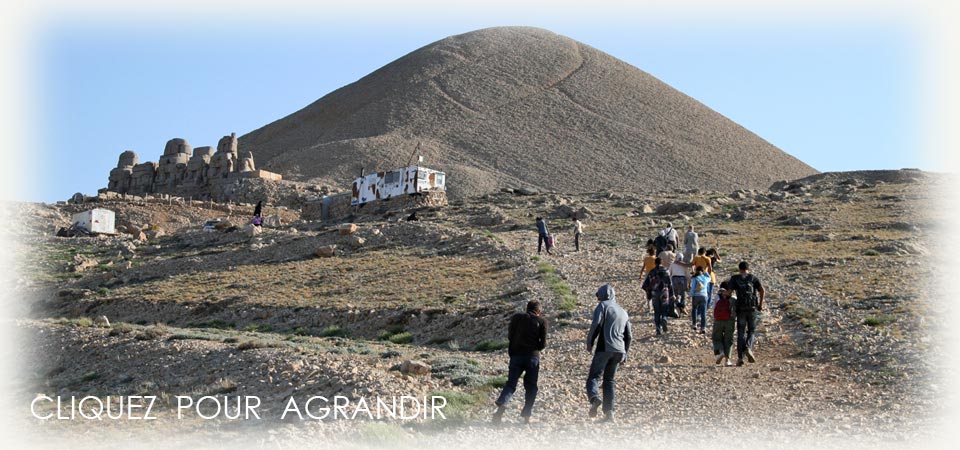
<point>518,106</point>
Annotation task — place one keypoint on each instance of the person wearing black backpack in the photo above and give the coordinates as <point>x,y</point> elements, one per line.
<point>749,303</point>
<point>659,288</point>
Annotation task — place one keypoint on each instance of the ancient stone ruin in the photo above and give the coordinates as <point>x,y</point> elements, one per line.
<point>200,174</point>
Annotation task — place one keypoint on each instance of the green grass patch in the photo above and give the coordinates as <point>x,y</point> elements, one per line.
<point>871,252</point>
<point>256,343</point>
<point>439,340</point>
<point>381,434</point>
<point>218,324</point>
<point>876,321</point>
<point>497,382</point>
<point>802,314</point>
<point>89,376</point>
<point>566,301</point>
<point>546,268</point>
<point>489,235</point>
<point>333,331</point>
<point>491,346</point>
<point>402,338</point>
<point>460,405</point>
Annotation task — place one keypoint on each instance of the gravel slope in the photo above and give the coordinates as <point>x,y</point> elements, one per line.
<point>518,106</point>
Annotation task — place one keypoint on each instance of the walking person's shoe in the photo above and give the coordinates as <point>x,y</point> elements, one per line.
<point>608,417</point>
<point>498,415</point>
<point>728,363</point>
<point>526,420</point>
<point>750,356</point>
<point>702,331</point>
<point>659,333</point>
<point>719,359</point>
<point>739,362</point>
<point>594,406</point>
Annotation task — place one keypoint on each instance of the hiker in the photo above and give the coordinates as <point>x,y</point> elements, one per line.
<point>649,263</point>
<point>701,260</point>
<point>667,255</point>
<point>698,294</point>
<point>680,281</point>
<point>528,336</point>
<point>714,261</point>
<point>577,232</point>
<point>660,242</point>
<point>658,288</point>
<point>651,246</point>
<point>543,236</point>
<point>749,303</point>
<point>723,324</point>
<point>257,219</point>
<point>691,242</point>
<point>672,235</point>
<point>611,331</point>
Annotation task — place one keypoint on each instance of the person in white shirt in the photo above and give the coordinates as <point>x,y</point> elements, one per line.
<point>680,281</point>
<point>577,232</point>
<point>673,237</point>
<point>691,242</point>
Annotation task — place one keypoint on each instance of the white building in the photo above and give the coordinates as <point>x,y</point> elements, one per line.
<point>410,180</point>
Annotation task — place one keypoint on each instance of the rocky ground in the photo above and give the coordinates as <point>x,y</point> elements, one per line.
<point>847,351</point>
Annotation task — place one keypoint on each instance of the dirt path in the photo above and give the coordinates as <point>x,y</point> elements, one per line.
<point>787,390</point>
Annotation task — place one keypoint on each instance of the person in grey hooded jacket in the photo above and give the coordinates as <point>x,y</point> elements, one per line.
<point>611,332</point>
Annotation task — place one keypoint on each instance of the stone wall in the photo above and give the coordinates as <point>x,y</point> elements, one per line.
<point>337,206</point>
<point>204,174</point>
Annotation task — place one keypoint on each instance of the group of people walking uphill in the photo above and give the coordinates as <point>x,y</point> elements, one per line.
<point>739,301</point>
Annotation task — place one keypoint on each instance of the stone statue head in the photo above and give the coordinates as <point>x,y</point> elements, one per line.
<point>177,145</point>
<point>128,158</point>
<point>228,144</point>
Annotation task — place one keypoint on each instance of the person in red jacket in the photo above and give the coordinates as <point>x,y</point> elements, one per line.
<point>724,322</point>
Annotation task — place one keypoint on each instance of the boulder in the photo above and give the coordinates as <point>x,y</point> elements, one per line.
<point>571,211</point>
<point>347,228</point>
<point>82,263</point>
<point>526,191</point>
<point>490,216</point>
<point>415,367</point>
<point>155,234</point>
<point>126,248</point>
<point>102,321</point>
<point>356,241</point>
<point>273,221</point>
<point>326,251</point>
<point>902,248</point>
<point>252,230</point>
<point>688,208</point>
<point>796,221</point>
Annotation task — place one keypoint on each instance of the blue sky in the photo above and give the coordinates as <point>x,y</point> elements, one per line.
<point>837,95</point>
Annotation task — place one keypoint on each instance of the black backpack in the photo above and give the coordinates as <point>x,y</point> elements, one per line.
<point>658,281</point>
<point>660,242</point>
<point>747,299</point>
